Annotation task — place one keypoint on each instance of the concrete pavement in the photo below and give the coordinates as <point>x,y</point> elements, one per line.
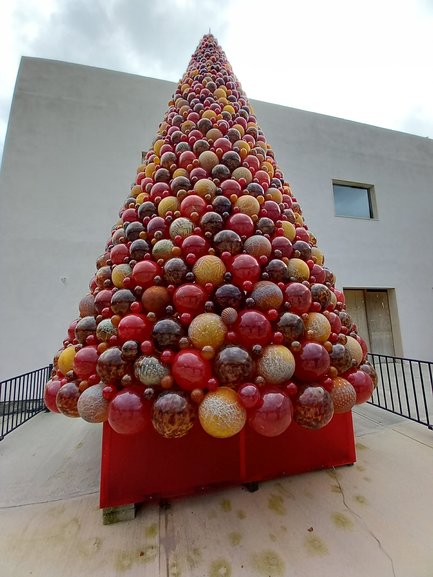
<point>370,519</point>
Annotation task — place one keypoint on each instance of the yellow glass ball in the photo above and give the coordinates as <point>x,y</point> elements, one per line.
<point>209,114</point>
<point>135,190</point>
<point>158,145</point>
<point>66,360</point>
<point>355,350</point>
<point>274,194</point>
<point>229,108</point>
<point>220,92</point>
<point>180,172</point>
<point>141,197</point>
<point>343,395</point>
<point>298,270</point>
<point>267,166</point>
<point>209,269</point>
<point>220,413</point>
<point>214,134</point>
<point>242,145</point>
<point>317,327</point>
<point>248,205</point>
<point>239,128</point>
<point>316,252</point>
<point>170,203</point>
<point>150,169</point>
<point>207,330</point>
<point>119,273</point>
<point>242,172</point>
<point>208,160</point>
<point>289,229</point>
<point>276,365</point>
<point>205,186</point>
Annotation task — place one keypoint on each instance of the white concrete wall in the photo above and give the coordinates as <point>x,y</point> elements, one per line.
<point>74,141</point>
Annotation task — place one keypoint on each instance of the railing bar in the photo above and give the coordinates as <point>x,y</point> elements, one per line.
<point>423,392</point>
<point>406,392</point>
<point>414,390</point>
<point>390,385</point>
<point>398,388</point>
<point>383,386</point>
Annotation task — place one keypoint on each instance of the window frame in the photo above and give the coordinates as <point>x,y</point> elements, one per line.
<point>371,196</point>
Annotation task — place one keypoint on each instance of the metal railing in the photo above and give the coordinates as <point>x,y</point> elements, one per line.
<point>21,398</point>
<point>405,387</point>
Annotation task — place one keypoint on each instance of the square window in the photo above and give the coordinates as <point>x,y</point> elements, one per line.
<point>353,200</point>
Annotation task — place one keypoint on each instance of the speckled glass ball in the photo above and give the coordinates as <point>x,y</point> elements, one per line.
<point>166,334</point>
<point>110,366</point>
<point>341,358</point>
<point>85,327</point>
<point>257,246</point>
<point>277,271</point>
<point>121,301</point>
<point>212,223</point>
<point>150,371</point>
<point>291,326</point>
<point>182,227</point>
<point>173,415</point>
<point>352,346</point>
<point>92,406</point>
<point>227,241</point>
<point>155,299</point>
<point>175,271</point>
<point>220,413</point>
<point>321,294</point>
<point>343,395</point>
<point>105,330</point>
<point>317,327</point>
<point>207,329</point>
<point>162,249</point>
<point>233,365</point>
<point>313,408</point>
<point>228,295</point>
<point>276,365</point>
<point>298,270</point>
<point>267,295</point>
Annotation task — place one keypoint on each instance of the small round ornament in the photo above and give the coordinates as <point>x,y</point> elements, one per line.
<point>172,415</point>
<point>220,413</point>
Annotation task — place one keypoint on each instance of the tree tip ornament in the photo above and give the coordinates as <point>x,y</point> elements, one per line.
<point>211,305</point>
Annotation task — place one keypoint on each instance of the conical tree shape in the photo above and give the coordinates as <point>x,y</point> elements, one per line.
<point>211,305</point>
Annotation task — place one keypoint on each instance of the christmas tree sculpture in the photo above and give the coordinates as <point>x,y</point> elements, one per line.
<point>211,306</point>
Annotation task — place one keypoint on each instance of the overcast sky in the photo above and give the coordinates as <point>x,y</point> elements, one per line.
<point>368,61</point>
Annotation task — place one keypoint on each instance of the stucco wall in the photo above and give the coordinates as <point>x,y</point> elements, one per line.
<point>74,141</point>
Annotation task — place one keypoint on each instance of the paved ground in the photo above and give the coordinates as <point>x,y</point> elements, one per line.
<point>374,518</point>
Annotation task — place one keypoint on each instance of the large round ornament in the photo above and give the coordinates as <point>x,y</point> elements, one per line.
<point>244,267</point>
<point>92,406</point>
<point>50,393</point>
<point>173,415</point>
<point>343,395</point>
<point>190,370</point>
<point>134,327</point>
<point>105,330</point>
<point>121,301</point>
<point>207,329</point>
<point>276,364</point>
<point>65,361</point>
<point>67,399</point>
<point>85,362</point>
<point>363,385</point>
<point>298,296</point>
<point>317,327</point>
<point>253,328</point>
<point>274,414</point>
<point>127,413</point>
<point>209,269</point>
<point>313,408</point>
<point>291,326</point>
<point>155,299</point>
<point>312,362</point>
<point>166,334</point>
<point>150,371</point>
<point>111,366</point>
<point>233,365</point>
<point>144,273</point>
<point>189,298</point>
<point>228,296</point>
<point>267,295</point>
<point>220,413</point>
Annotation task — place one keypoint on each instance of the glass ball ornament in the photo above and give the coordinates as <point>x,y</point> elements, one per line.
<point>127,413</point>
<point>87,306</point>
<point>105,330</point>
<point>274,415</point>
<point>150,371</point>
<point>257,246</point>
<point>228,296</point>
<point>155,299</point>
<point>253,328</point>
<point>267,295</point>
<point>162,249</point>
<point>92,406</point>
<point>121,301</point>
<point>312,362</point>
<point>363,385</point>
<point>355,350</point>
<point>313,408</point>
<point>244,267</point>
<point>166,334</point>
<point>172,415</point>
<point>182,227</point>
<point>110,366</point>
<point>298,296</point>
<point>233,365</point>
<point>276,365</point>
<point>119,273</point>
<point>249,395</point>
<point>220,413</point>
<point>341,358</point>
<point>85,362</point>
<point>67,399</point>
<point>50,393</point>
<point>298,270</point>
<point>227,241</point>
<point>134,327</point>
<point>85,327</point>
<point>317,327</point>
<point>189,298</point>
<point>190,370</point>
<point>175,271</point>
<point>343,395</point>
<point>65,361</point>
<point>291,326</point>
<point>207,329</point>
<point>209,269</point>
<point>144,273</point>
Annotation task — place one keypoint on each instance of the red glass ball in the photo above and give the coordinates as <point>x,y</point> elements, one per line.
<point>189,298</point>
<point>193,204</point>
<point>312,362</point>
<point>127,414</point>
<point>50,394</point>
<point>196,245</point>
<point>244,267</point>
<point>299,297</point>
<point>134,327</point>
<point>85,362</point>
<point>242,224</point>
<point>190,370</point>
<point>363,385</point>
<point>282,244</point>
<point>144,273</point>
<point>253,328</point>
<point>249,395</point>
<point>274,415</point>
<point>273,211</point>
<point>118,253</point>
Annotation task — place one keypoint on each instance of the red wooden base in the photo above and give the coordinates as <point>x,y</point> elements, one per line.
<point>147,466</point>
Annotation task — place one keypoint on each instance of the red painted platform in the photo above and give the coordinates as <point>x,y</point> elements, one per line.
<point>147,466</point>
